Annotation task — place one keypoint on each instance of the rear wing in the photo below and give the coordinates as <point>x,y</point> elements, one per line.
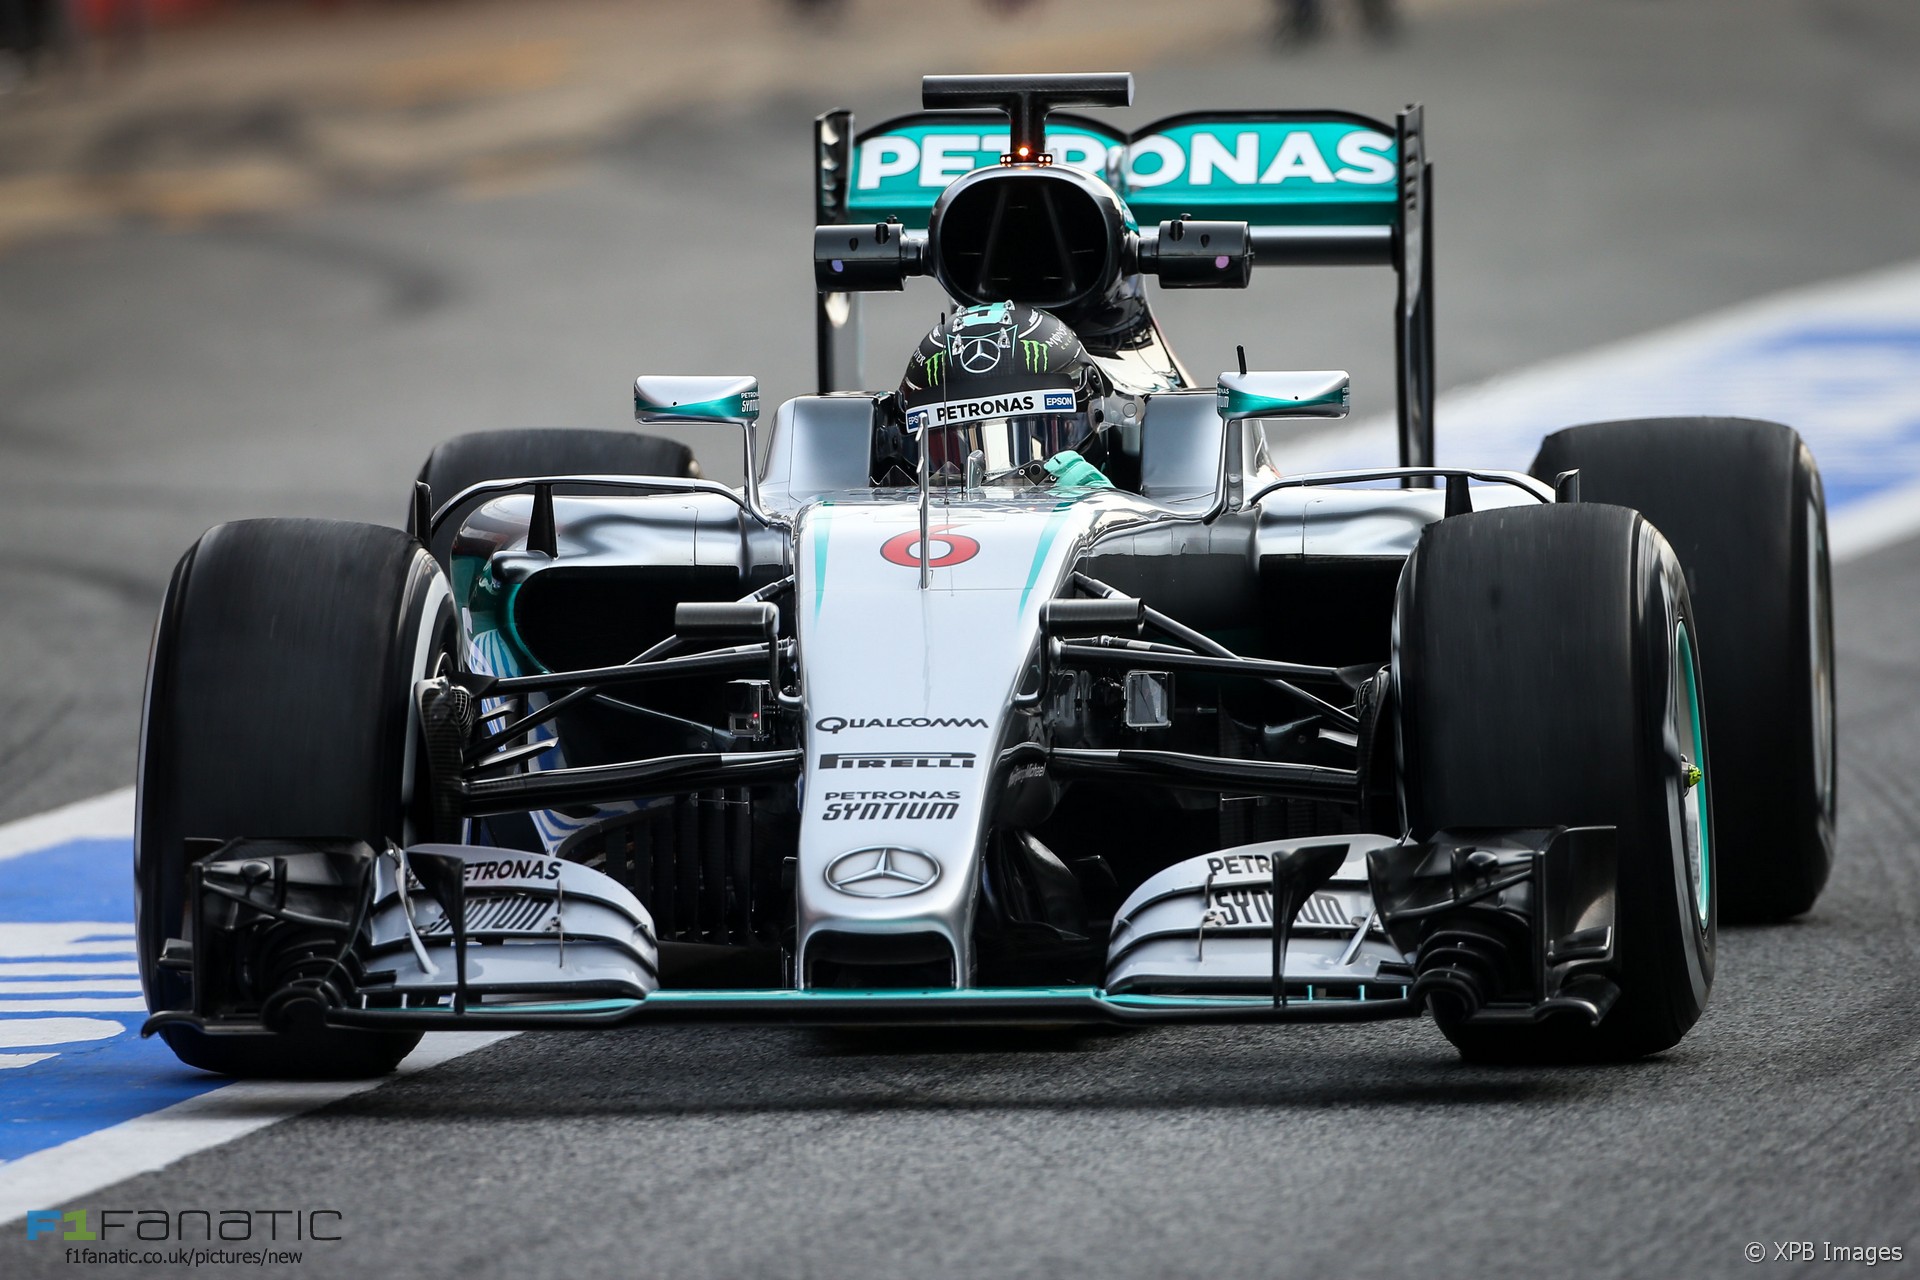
<point>1316,188</point>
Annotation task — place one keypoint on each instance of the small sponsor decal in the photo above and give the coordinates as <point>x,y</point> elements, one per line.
<point>835,724</point>
<point>904,549</point>
<point>1059,401</point>
<point>890,806</point>
<point>898,760</point>
<point>948,413</point>
<point>514,869</point>
<point>520,912</point>
<point>1253,905</point>
<point>1240,864</point>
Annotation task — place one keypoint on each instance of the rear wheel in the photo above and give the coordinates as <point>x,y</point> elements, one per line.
<point>542,451</point>
<point>1741,502</point>
<point>1546,674</point>
<point>279,703</point>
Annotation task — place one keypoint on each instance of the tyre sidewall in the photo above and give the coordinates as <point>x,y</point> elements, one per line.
<point>1816,755</point>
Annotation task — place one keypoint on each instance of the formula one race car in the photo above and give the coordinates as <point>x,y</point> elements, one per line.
<point>1028,690</point>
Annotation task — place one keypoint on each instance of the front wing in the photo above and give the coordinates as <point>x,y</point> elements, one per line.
<point>1505,926</point>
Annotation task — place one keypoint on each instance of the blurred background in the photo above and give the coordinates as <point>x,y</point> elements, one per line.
<point>258,256</point>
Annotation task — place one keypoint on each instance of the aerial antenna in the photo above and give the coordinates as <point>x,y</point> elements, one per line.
<point>926,482</point>
<point>926,473</point>
<point>1241,351</point>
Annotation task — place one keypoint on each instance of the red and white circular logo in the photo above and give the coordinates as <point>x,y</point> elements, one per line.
<point>904,549</point>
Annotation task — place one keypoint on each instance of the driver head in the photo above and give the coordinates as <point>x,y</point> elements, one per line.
<point>1006,380</point>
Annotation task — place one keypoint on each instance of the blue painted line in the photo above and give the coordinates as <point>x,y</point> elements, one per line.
<point>1839,362</point>
<point>1897,337</point>
<point>66,921</point>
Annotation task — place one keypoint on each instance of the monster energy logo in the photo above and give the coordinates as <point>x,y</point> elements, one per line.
<point>1034,354</point>
<point>935,363</point>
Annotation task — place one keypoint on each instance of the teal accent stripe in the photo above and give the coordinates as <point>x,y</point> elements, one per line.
<point>836,995</point>
<point>825,514</point>
<point>728,408</point>
<point>1703,885</point>
<point>1047,535</point>
<point>581,1007</point>
<point>513,628</point>
<point>1234,403</point>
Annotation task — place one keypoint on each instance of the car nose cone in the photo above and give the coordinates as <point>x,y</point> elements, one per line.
<point>882,873</point>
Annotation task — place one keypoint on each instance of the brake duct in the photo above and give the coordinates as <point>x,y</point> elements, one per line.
<point>1504,925</point>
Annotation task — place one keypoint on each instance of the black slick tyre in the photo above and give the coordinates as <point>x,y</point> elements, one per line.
<point>1741,502</point>
<point>1545,675</point>
<point>279,703</point>
<point>478,456</point>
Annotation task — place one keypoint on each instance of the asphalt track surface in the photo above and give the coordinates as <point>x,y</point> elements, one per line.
<point>1606,168</point>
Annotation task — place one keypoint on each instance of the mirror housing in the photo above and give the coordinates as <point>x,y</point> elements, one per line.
<point>667,400</point>
<point>1318,393</point>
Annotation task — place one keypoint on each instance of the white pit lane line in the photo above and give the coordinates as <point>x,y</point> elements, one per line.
<point>141,1145</point>
<point>69,1014</point>
<point>1840,362</point>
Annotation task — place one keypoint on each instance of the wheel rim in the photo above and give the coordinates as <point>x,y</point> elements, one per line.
<point>1696,820</point>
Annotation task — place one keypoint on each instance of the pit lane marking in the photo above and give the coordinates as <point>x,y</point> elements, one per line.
<point>1838,361</point>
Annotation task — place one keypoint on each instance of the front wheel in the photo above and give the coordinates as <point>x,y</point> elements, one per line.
<point>279,703</point>
<point>1547,674</point>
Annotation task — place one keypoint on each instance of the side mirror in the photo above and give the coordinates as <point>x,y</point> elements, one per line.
<point>1320,393</point>
<point>665,400</point>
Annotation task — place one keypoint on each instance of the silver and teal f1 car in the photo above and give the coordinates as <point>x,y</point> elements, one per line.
<point>903,732</point>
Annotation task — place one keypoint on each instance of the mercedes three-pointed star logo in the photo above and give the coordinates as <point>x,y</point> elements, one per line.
<point>882,873</point>
<point>983,354</point>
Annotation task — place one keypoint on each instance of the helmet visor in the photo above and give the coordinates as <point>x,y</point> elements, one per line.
<point>1004,443</point>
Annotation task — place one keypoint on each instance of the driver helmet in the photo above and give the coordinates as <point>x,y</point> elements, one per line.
<point>1007,380</point>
